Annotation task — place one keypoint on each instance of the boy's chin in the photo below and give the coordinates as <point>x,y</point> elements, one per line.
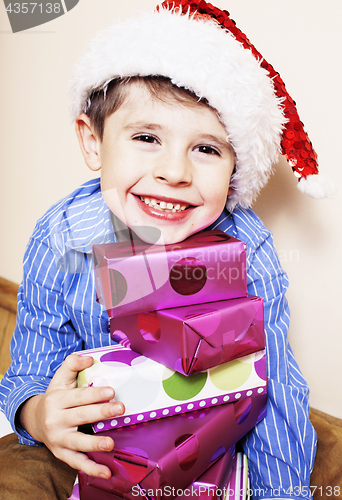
<point>156,236</point>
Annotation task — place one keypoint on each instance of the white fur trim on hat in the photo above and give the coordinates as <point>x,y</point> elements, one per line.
<point>199,55</point>
<point>317,186</point>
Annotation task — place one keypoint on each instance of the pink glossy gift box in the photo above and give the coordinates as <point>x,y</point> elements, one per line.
<point>149,390</point>
<point>193,338</point>
<point>134,277</point>
<point>155,459</point>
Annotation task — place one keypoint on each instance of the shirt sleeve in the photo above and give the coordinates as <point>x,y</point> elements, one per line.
<point>44,334</point>
<point>281,448</point>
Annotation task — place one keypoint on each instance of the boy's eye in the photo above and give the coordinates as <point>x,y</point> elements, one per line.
<point>146,138</point>
<point>208,150</point>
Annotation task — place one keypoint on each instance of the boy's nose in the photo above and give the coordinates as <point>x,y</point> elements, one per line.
<point>174,170</point>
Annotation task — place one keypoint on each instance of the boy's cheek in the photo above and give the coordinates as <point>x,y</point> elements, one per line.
<point>113,202</point>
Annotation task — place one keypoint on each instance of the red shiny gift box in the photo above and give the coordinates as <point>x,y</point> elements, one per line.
<point>134,277</point>
<point>155,459</point>
<point>193,338</point>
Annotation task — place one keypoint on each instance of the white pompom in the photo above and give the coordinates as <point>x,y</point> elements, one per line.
<point>317,186</point>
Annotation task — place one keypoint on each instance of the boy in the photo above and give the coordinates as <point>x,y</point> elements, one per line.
<point>168,159</point>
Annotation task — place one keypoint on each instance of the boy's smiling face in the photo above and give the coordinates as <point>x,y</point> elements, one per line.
<point>163,164</point>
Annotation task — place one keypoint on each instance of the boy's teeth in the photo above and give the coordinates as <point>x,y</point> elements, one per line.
<point>163,205</point>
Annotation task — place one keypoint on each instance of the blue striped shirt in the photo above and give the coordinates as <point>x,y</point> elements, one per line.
<point>58,314</point>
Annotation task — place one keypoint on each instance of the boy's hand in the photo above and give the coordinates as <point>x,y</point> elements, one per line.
<point>53,418</point>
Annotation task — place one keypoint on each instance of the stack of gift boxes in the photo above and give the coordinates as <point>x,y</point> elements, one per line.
<point>189,365</point>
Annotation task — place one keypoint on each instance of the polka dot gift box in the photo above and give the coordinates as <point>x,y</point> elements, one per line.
<point>151,391</point>
<point>134,276</point>
<point>155,459</point>
<point>193,338</point>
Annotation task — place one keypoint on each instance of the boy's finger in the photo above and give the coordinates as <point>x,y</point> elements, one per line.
<point>80,461</point>
<point>81,415</point>
<point>65,376</point>
<point>77,441</point>
<point>82,396</point>
<point>91,395</point>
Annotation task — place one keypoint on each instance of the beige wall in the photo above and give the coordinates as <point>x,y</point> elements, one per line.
<point>40,161</point>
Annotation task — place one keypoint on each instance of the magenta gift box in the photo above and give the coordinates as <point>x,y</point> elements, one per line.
<point>212,485</point>
<point>193,338</point>
<point>149,390</point>
<point>134,277</point>
<point>226,479</point>
<point>159,457</point>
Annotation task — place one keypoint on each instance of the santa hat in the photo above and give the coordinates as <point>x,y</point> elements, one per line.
<point>200,48</point>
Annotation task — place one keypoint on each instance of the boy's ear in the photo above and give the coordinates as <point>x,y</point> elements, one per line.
<point>89,141</point>
<point>230,190</point>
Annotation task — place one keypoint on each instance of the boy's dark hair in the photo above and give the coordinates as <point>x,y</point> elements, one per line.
<point>105,101</point>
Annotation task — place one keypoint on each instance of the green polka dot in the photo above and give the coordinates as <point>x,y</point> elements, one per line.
<point>82,377</point>
<point>231,375</point>
<point>180,387</point>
